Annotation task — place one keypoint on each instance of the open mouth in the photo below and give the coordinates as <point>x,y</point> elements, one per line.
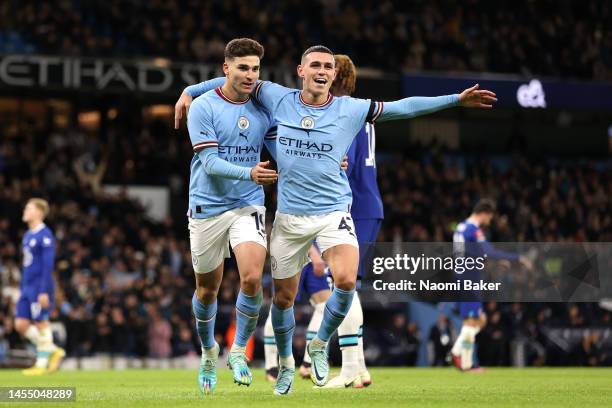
<point>321,81</point>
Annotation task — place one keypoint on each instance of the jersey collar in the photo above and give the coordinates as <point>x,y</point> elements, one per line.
<point>38,228</point>
<point>226,99</point>
<point>330,97</point>
<point>473,222</point>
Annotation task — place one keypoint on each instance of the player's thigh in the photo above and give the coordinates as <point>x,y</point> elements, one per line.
<point>209,241</point>
<point>367,232</point>
<point>248,239</point>
<point>338,244</point>
<point>289,243</point>
<point>23,312</point>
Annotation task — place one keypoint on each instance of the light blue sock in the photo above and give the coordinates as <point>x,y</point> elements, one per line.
<point>247,313</point>
<point>205,321</point>
<point>336,308</point>
<point>283,322</point>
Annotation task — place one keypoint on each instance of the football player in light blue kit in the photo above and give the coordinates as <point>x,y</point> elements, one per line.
<point>227,130</point>
<point>315,131</point>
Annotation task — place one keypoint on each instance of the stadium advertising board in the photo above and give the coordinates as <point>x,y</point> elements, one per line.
<point>111,75</point>
<point>513,91</point>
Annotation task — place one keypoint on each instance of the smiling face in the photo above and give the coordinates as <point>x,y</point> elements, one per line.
<point>242,73</point>
<point>318,72</point>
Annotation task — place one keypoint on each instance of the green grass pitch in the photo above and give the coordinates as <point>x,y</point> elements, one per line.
<point>502,387</point>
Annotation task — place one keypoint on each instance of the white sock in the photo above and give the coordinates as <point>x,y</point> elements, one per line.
<point>348,335</point>
<point>313,326</point>
<point>270,351</point>
<point>464,345</point>
<point>287,361</point>
<point>45,340</point>
<point>209,352</point>
<point>32,334</point>
<point>360,355</point>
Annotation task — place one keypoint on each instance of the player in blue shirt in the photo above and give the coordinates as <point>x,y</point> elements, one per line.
<point>315,131</point>
<point>469,240</point>
<point>38,289</point>
<point>226,204</point>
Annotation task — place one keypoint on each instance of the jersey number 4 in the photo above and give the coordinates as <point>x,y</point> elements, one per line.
<point>345,226</point>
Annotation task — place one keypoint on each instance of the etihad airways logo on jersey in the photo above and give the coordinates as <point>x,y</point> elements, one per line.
<point>304,148</point>
<point>240,154</point>
<point>238,149</point>
<point>305,144</point>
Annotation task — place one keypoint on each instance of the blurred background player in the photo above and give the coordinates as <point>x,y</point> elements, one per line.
<point>38,289</point>
<point>226,204</point>
<point>469,240</point>
<point>314,284</point>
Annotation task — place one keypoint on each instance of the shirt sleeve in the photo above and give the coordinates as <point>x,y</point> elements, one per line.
<point>410,107</point>
<point>216,166</point>
<point>200,125</point>
<point>48,263</point>
<point>199,89</point>
<point>269,94</point>
<point>270,141</point>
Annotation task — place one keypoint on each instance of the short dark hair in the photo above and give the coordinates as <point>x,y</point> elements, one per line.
<point>485,205</point>
<point>317,48</point>
<point>242,47</point>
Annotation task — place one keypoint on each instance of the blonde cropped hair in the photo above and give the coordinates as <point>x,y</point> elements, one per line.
<point>41,204</point>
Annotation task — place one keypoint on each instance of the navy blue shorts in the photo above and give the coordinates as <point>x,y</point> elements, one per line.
<point>470,310</point>
<point>29,308</point>
<point>311,283</point>
<point>367,233</point>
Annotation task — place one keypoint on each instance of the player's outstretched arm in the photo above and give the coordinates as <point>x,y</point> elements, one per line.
<point>421,105</point>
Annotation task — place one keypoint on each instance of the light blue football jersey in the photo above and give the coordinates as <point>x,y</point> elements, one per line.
<point>311,143</point>
<point>237,130</point>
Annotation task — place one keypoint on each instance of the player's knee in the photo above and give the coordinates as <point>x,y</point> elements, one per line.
<point>250,283</point>
<point>21,326</point>
<point>283,300</point>
<point>345,282</point>
<point>206,295</point>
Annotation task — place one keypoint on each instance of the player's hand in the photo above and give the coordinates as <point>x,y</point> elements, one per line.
<point>526,262</point>
<point>183,103</point>
<point>261,175</point>
<point>477,98</point>
<point>43,300</point>
<point>344,164</point>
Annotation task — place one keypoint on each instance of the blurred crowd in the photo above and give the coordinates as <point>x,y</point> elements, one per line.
<point>560,38</point>
<point>125,282</point>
